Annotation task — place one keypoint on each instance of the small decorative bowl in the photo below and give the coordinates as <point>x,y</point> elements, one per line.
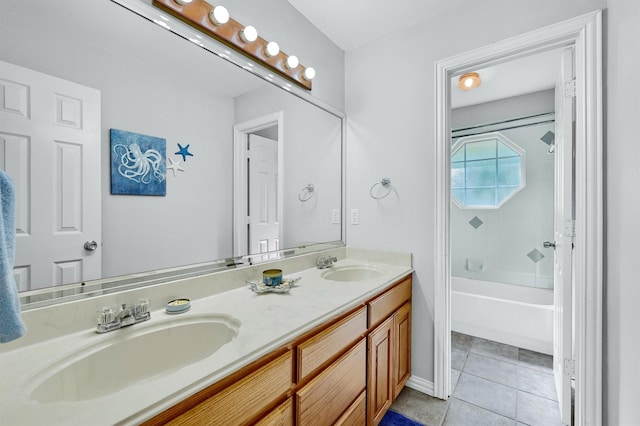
<point>272,277</point>
<point>284,287</point>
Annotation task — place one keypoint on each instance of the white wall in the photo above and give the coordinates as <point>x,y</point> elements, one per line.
<point>507,235</point>
<point>501,243</point>
<point>390,106</point>
<point>622,151</point>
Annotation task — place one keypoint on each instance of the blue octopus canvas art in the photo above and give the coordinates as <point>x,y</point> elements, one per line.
<point>138,164</point>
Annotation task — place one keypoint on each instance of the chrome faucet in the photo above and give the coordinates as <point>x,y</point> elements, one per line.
<point>326,262</point>
<point>108,320</point>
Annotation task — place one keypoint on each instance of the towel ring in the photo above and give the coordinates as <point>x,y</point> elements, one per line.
<point>385,182</point>
<point>306,193</point>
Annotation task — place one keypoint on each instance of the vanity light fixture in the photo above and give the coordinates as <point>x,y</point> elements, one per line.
<point>215,22</point>
<point>272,49</point>
<point>292,62</point>
<point>219,15</point>
<point>249,34</point>
<point>469,81</point>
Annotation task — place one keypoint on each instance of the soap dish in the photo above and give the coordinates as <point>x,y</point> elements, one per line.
<point>178,306</point>
<point>257,286</point>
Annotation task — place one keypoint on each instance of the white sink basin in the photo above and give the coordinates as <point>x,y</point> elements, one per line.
<point>131,355</point>
<point>352,273</point>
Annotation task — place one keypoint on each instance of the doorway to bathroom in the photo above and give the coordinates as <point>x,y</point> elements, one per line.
<point>577,234</point>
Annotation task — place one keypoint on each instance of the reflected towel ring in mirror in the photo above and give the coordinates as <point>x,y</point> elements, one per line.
<point>306,193</point>
<point>386,183</point>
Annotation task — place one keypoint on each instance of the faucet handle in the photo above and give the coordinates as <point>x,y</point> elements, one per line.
<point>105,315</point>
<point>141,307</point>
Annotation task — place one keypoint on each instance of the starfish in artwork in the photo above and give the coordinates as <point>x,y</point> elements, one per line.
<point>184,151</point>
<point>174,166</point>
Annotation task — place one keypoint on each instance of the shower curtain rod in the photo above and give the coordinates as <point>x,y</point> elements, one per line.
<point>512,123</point>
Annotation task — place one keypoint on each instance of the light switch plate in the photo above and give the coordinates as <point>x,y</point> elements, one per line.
<point>355,217</point>
<point>335,216</point>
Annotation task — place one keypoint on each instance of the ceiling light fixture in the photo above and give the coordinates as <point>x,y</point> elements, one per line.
<point>469,81</point>
<point>215,22</point>
<point>219,15</point>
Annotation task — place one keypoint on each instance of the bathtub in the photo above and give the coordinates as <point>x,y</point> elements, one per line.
<point>506,313</point>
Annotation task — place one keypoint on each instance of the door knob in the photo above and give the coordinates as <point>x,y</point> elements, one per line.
<point>90,245</point>
<point>549,244</point>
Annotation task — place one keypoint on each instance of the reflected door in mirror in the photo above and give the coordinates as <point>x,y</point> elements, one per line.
<point>264,223</point>
<point>50,146</point>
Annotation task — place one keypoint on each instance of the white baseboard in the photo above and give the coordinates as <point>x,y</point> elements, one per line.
<point>421,385</point>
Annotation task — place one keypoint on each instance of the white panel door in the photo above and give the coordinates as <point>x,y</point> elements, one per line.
<point>264,224</point>
<point>563,235</point>
<point>50,146</point>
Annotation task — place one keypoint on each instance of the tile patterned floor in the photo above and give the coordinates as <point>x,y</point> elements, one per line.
<point>493,384</point>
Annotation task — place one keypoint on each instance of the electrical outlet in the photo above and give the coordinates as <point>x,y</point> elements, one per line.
<point>355,217</point>
<point>335,216</point>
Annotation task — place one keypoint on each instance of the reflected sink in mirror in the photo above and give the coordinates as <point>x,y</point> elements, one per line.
<point>352,273</point>
<point>131,356</point>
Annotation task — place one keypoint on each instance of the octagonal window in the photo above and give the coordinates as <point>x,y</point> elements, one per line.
<point>486,171</point>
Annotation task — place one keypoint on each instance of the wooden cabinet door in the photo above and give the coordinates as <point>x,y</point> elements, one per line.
<point>402,331</point>
<point>381,372</point>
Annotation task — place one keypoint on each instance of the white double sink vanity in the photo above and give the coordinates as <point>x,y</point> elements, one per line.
<point>63,372</point>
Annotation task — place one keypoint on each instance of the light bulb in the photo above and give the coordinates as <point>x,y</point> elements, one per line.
<point>183,2</point>
<point>469,81</point>
<point>219,15</point>
<point>292,62</point>
<point>309,73</point>
<point>249,34</point>
<point>272,49</point>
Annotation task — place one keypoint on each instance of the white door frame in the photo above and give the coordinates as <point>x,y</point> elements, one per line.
<point>585,34</point>
<point>241,133</point>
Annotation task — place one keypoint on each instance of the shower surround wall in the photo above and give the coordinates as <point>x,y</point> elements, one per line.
<point>506,244</point>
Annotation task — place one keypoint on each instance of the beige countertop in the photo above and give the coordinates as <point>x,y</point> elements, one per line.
<point>266,322</point>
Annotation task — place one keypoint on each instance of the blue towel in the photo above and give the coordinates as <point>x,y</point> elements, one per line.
<point>11,325</point>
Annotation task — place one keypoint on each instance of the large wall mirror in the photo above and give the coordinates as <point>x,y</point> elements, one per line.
<point>74,71</point>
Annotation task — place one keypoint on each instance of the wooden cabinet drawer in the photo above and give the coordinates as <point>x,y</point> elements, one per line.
<point>282,415</point>
<point>325,398</point>
<point>327,344</point>
<point>246,399</point>
<point>386,304</point>
<point>356,415</point>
